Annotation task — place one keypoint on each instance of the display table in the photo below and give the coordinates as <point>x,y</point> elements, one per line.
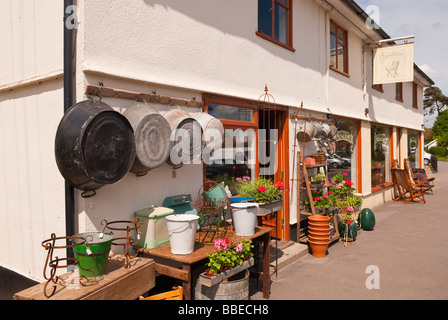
<point>117,284</point>
<point>165,259</point>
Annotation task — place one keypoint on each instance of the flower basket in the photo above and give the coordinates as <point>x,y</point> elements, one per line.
<point>210,281</point>
<point>271,207</point>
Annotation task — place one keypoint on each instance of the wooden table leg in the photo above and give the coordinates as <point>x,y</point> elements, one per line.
<point>266,267</point>
<point>186,285</point>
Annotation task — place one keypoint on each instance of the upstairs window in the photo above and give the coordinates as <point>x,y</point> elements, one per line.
<point>414,95</point>
<point>399,91</point>
<point>338,48</point>
<point>275,21</point>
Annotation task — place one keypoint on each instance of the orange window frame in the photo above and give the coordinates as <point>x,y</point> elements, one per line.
<point>289,29</point>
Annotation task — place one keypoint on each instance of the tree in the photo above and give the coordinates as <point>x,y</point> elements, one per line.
<point>434,100</point>
<point>440,129</point>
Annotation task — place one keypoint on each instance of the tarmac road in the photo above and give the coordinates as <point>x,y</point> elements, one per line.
<point>407,249</point>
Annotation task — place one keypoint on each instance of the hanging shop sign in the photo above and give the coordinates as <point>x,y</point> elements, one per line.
<point>393,64</point>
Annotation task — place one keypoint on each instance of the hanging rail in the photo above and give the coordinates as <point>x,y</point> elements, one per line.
<point>134,95</point>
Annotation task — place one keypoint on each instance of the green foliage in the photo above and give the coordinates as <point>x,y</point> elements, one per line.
<point>438,151</point>
<point>434,100</point>
<point>341,194</point>
<point>229,254</point>
<point>319,177</point>
<point>261,190</point>
<point>440,131</point>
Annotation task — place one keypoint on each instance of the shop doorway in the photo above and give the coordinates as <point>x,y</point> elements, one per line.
<point>273,164</point>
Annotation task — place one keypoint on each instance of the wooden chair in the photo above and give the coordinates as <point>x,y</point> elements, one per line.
<point>419,176</point>
<point>176,294</point>
<point>407,191</point>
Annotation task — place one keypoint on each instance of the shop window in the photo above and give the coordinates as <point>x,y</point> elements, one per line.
<point>342,153</point>
<point>413,148</point>
<point>381,155</point>
<point>338,48</point>
<point>275,21</point>
<point>236,159</point>
<point>399,91</point>
<point>231,113</point>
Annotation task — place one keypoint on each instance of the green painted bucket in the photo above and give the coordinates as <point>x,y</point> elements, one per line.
<point>94,254</point>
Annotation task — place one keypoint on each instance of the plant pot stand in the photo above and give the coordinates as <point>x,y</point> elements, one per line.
<point>208,281</point>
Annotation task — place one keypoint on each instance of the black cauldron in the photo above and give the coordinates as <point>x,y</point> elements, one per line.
<point>94,146</point>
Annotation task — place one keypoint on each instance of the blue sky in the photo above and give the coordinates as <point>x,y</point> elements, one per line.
<point>427,20</point>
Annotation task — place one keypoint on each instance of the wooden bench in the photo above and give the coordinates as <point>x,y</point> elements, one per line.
<point>117,284</point>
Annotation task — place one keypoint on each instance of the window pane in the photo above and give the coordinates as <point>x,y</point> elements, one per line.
<point>332,46</point>
<point>413,149</point>
<point>231,113</point>
<point>341,60</point>
<point>281,24</point>
<point>380,158</point>
<point>265,16</point>
<point>235,160</point>
<point>341,36</point>
<point>342,152</point>
<point>284,2</point>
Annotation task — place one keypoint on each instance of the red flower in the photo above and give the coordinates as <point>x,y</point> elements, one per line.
<point>261,189</point>
<point>349,183</point>
<point>330,192</point>
<point>227,240</point>
<point>317,199</point>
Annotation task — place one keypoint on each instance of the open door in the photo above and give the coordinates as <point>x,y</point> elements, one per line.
<point>273,164</point>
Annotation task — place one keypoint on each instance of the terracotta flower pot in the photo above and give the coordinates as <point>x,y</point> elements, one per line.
<point>314,234</point>
<point>318,238</point>
<point>316,218</point>
<point>319,229</point>
<point>319,248</point>
<point>318,224</point>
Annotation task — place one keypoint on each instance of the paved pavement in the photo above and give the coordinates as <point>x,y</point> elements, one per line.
<point>407,248</point>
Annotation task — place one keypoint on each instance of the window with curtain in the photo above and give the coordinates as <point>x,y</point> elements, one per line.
<point>380,155</point>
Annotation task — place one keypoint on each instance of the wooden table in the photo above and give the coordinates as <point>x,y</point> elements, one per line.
<point>117,284</point>
<point>164,258</point>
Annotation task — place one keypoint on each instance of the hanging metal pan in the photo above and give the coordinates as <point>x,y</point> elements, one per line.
<point>94,146</point>
<point>186,138</point>
<point>152,137</point>
<point>212,128</point>
<point>306,132</point>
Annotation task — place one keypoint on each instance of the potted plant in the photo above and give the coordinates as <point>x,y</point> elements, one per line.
<point>318,179</point>
<point>267,194</point>
<point>228,259</point>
